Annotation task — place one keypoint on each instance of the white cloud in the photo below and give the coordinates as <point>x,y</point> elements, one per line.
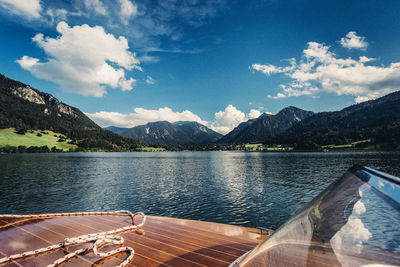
<point>318,52</point>
<point>149,59</point>
<point>146,23</point>
<point>270,69</point>
<point>266,69</point>
<point>96,6</point>
<point>289,92</point>
<point>224,121</point>
<point>228,119</point>
<point>150,80</point>
<point>321,70</point>
<point>57,14</point>
<point>352,41</point>
<point>359,208</point>
<point>29,8</point>
<point>83,59</point>
<point>149,24</point>
<point>254,113</point>
<point>128,10</point>
<point>352,233</point>
<point>141,116</point>
<point>364,59</point>
<point>27,62</point>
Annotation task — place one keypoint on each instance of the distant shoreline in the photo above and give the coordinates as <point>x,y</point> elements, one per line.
<point>184,151</point>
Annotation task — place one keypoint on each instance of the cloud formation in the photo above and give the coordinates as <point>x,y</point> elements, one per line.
<point>224,120</point>
<point>141,116</point>
<point>150,80</point>
<point>321,70</point>
<point>352,41</point>
<point>153,26</point>
<point>29,9</point>
<point>128,10</point>
<point>289,92</point>
<point>83,59</point>
<point>352,233</point>
<point>96,6</point>
<point>254,114</point>
<point>56,14</point>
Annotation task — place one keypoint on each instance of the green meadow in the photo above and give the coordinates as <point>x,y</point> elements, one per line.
<point>260,147</point>
<point>48,138</point>
<point>152,149</point>
<point>351,145</point>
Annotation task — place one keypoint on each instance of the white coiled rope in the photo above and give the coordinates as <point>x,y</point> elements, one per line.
<point>97,239</point>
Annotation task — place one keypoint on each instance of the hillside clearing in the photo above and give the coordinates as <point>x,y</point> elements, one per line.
<point>151,149</point>
<point>351,145</point>
<point>30,138</point>
<point>261,147</point>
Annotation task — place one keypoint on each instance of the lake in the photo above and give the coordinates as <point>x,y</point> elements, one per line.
<point>243,188</point>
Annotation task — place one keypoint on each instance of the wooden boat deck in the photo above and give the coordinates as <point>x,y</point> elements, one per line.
<point>166,242</point>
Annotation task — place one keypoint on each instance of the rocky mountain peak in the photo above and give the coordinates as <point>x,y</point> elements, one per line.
<point>32,95</point>
<point>27,93</point>
<point>265,127</point>
<point>174,134</point>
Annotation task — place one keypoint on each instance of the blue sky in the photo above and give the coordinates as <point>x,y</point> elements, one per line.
<point>219,62</point>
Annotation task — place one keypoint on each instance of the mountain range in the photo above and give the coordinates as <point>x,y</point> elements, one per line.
<point>173,134</point>
<point>265,127</point>
<point>23,107</point>
<point>378,121</point>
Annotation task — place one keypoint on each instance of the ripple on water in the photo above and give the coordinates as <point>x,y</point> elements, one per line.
<point>251,189</point>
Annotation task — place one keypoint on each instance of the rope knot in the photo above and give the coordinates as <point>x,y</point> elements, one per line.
<point>98,239</point>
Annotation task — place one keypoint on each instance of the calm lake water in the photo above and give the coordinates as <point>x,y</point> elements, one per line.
<point>244,188</point>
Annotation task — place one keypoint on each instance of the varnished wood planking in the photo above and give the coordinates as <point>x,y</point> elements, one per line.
<point>74,231</point>
<point>45,258</point>
<point>158,250</point>
<point>81,228</point>
<point>64,232</point>
<point>172,234</point>
<point>171,237</point>
<point>232,247</point>
<point>168,241</point>
<point>220,231</point>
<point>141,248</point>
<point>205,244</point>
<point>13,263</point>
<point>239,232</point>
<point>194,233</point>
<point>22,240</point>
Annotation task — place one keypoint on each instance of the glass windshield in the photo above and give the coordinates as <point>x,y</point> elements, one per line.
<point>354,222</point>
